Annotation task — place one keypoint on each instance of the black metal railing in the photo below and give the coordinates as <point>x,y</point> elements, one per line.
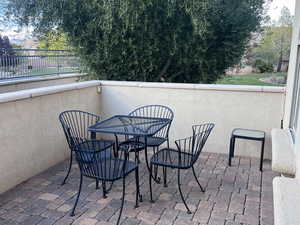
<point>16,63</point>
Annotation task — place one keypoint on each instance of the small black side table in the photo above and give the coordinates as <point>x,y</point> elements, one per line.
<point>255,135</point>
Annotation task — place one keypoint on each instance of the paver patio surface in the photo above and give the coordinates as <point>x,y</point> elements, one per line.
<point>237,195</point>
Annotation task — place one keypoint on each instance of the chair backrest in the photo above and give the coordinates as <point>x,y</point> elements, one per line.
<point>75,124</point>
<point>95,159</point>
<point>156,111</point>
<point>192,146</point>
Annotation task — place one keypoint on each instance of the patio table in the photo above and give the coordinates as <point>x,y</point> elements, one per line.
<point>137,126</point>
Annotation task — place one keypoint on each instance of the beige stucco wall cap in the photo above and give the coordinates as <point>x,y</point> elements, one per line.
<point>213,87</point>
<point>119,83</point>
<point>283,156</point>
<point>13,96</point>
<point>30,93</point>
<point>273,89</point>
<point>286,197</point>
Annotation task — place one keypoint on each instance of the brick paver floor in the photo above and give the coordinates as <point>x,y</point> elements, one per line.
<point>237,195</point>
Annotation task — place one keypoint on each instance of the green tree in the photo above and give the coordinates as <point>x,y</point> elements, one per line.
<point>150,40</point>
<point>276,40</point>
<point>54,40</point>
<point>6,50</point>
<point>5,46</point>
<point>3,8</point>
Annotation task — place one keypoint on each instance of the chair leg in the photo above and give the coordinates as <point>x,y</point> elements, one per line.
<point>110,187</point>
<point>155,171</point>
<point>155,167</point>
<point>164,171</point>
<point>197,179</point>
<point>122,204</point>
<point>137,193</point>
<point>178,181</point>
<point>138,184</point>
<point>97,184</point>
<point>115,152</point>
<point>77,198</point>
<point>165,176</point>
<point>69,169</point>
<point>137,157</point>
<point>150,182</point>
<point>104,189</point>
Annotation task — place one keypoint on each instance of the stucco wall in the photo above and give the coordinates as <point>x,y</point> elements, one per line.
<point>252,107</point>
<point>37,82</point>
<point>32,140</point>
<point>31,137</point>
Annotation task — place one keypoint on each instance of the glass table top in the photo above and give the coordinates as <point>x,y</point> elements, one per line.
<point>248,133</point>
<point>130,125</point>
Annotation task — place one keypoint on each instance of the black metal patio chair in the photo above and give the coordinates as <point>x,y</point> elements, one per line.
<point>75,124</point>
<point>184,157</point>
<point>94,162</point>
<point>136,144</point>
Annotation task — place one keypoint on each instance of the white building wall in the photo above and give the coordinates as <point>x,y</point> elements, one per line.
<point>292,65</point>
<point>293,60</point>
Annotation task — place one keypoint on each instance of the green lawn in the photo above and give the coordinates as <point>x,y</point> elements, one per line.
<point>248,79</point>
<point>49,70</point>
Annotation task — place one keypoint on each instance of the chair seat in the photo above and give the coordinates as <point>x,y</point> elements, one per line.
<point>110,169</point>
<point>151,141</point>
<point>131,145</point>
<point>170,158</point>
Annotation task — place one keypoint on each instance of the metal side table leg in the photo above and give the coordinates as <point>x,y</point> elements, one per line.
<point>262,154</point>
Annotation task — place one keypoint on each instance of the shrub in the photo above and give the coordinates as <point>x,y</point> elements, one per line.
<point>263,66</point>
